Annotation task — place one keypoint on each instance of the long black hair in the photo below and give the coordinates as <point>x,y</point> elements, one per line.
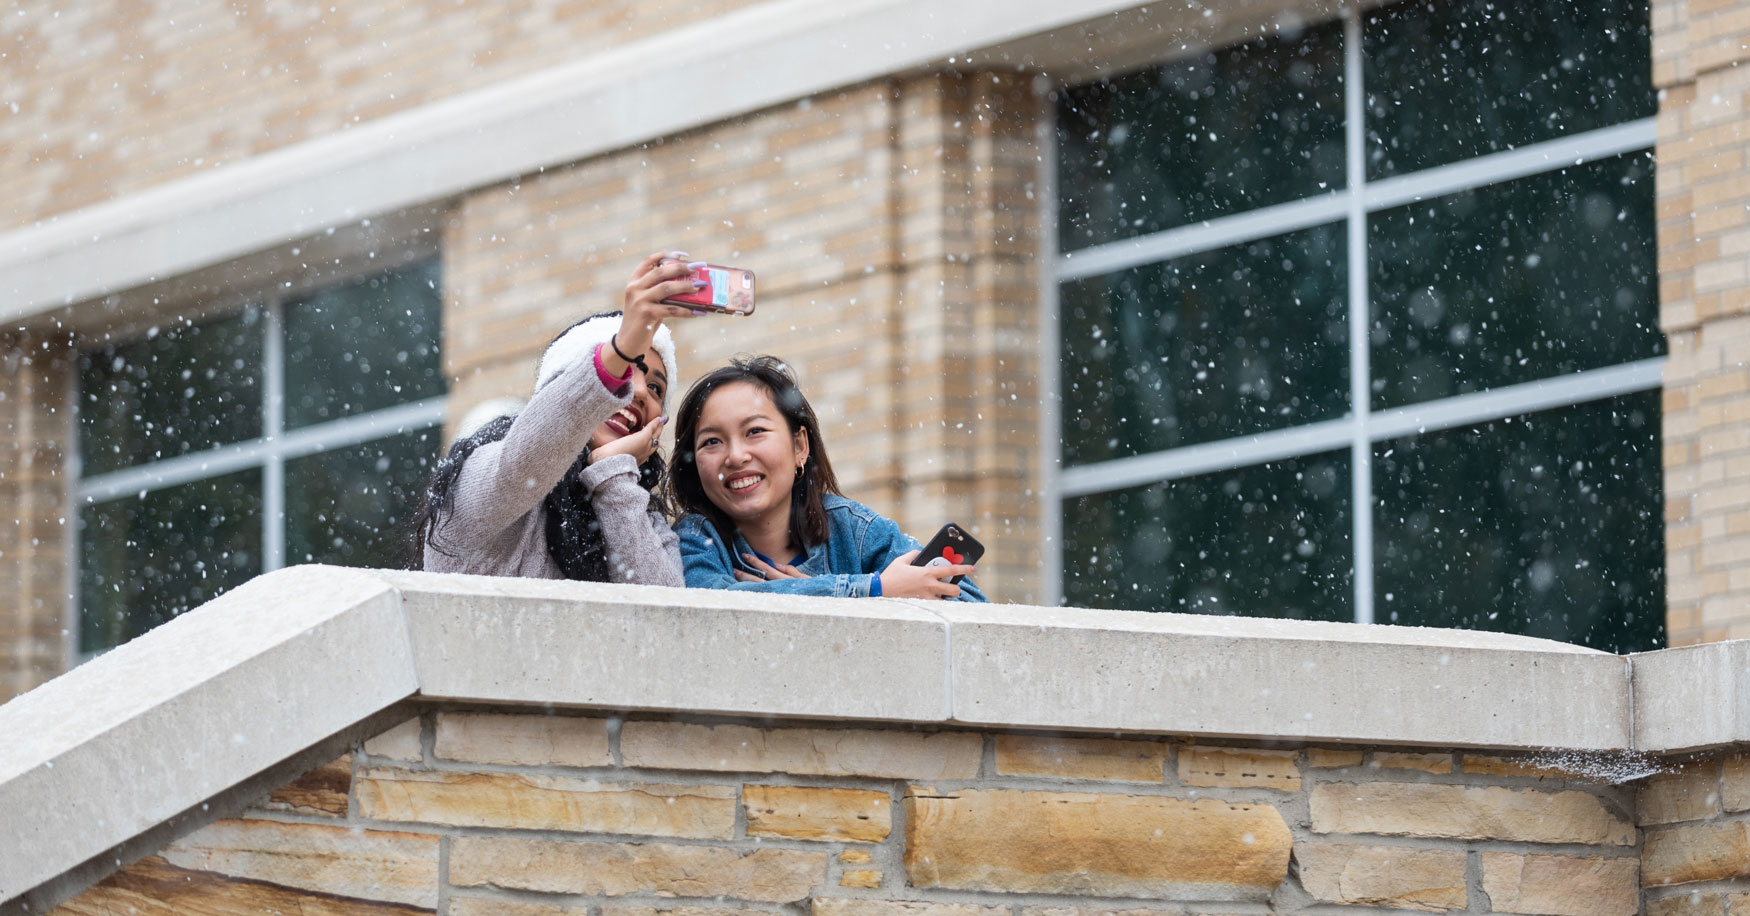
<point>808,523</point>
<point>574,533</point>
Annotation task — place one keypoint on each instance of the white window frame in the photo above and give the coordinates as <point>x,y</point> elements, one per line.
<point>269,451</point>
<point>1362,426</point>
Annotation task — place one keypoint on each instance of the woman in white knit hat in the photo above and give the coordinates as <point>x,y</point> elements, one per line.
<point>564,488</point>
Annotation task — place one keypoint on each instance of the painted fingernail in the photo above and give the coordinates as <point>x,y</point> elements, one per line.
<point>698,313</point>
<point>700,284</point>
<point>695,265</point>
<point>678,254</point>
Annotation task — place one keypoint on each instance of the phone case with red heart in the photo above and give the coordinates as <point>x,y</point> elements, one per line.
<point>951,545</point>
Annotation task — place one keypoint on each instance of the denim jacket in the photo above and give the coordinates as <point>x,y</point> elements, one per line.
<point>859,544</point>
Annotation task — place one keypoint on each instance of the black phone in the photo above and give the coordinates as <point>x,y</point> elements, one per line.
<point>951,546</point>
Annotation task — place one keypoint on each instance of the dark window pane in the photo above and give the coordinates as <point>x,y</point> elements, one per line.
<point>364,346</point>
<point>1219,344</point>
<point>144,560</point>
<point>350,507</point>
<point>1271,540</point>
<point>184,388</point>
<point>1548,525</point>
<point>1534,278</point>
<point>1451,79</point>
<point>1214,133</point>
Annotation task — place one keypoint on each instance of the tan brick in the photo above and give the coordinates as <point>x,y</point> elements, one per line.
<point>822,752</point>
<point>398,743</point>
<point>1393,876</point>
<point>1106,845</point>
<point>1094,911</point>
<point>1690,792</point>
<point>341,861</point>
<point>1081,758</point>
<point>1224,767</point>
<point>1327,758</point>
<point>1688,904</point>
<point>803,813</point>
<point>840,906</point>
<point>1695,852</point>
<point>489,906</point>
<point>1735,783</point>
<point>322,791</point>
<point>531,801</point>
<point>618,909</point>
<point>860,877</point>
<point>1426,763</point>
<point>1529,768</point>
<point>619,869</point>
<point>1467,812</point>
<point>522,740</point>
<point>1552,885</point>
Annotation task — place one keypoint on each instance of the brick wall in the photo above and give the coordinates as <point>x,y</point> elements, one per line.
<point>113,96</point>
<point>1704,266</point>
<point>1696,831</point>
<point>893,230</point>
<point>464,812</point>
<point>34,518</point>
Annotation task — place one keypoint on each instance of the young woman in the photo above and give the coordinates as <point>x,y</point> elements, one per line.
<point>564,489</point>
<point>764,509</point>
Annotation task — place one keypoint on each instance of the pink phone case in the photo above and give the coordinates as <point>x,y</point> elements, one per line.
<point>727,289</point>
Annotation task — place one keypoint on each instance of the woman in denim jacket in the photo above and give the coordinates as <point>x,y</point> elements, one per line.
<point>764,511</point>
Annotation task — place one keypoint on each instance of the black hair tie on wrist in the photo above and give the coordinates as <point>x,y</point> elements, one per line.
<point>638,360</point>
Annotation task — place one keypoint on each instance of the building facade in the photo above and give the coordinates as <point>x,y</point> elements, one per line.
<point>1151,300</point>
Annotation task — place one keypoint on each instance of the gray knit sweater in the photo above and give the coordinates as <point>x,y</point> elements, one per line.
<point>496,525</point>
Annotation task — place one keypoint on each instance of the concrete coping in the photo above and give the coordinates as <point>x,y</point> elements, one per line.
<point>224,692</point>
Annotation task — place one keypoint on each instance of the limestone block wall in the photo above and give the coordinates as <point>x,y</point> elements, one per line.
<point>469,811</point>
<point>1695,850</point>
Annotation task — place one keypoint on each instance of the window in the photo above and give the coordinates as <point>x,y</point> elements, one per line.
<point>1358,321</point>
<point>298,430</point>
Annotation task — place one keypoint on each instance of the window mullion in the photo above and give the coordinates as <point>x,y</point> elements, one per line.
<point>273,465</point>
<point>1360,369</point>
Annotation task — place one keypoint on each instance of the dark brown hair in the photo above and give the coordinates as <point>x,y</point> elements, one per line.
<point>808,525</point>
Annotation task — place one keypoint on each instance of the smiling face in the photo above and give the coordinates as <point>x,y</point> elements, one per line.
<point>747,456</point>
<point>647,392</point>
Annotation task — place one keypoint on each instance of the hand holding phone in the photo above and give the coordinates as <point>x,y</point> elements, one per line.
<point>951,546</point>
<point>727,289</point>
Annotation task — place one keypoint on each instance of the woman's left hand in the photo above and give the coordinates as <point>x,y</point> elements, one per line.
<point>640,445</point>
<point>772,571</point>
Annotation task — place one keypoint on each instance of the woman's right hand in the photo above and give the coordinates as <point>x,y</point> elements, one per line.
<point>902,580</point>
<point>644,311</point>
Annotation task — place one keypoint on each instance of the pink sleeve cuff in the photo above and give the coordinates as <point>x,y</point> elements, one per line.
<point>610,381</point>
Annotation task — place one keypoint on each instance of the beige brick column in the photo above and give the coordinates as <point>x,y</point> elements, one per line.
<point>1704,266</point>
<point>35,522</point>
<point>970,361</point>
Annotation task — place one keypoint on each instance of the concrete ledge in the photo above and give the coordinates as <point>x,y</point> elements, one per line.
<point>134,737</point>
<point>531,641</point>
<point>1036,667</point>
<point>1691,698</point>
<point>110,750</point>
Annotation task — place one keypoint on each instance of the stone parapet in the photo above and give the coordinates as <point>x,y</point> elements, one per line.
<point>582,745</point>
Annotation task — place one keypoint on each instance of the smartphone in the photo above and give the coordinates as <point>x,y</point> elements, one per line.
<point>951,546</point>
<point>727,289</point>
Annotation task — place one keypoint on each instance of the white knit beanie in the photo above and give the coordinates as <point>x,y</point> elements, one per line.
<point>573,349</point>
